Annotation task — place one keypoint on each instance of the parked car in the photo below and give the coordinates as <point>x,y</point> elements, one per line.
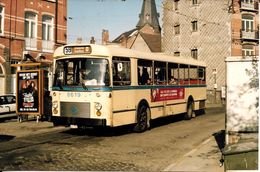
<point>7,106</point>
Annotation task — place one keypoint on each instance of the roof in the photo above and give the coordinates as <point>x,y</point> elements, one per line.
<point>125,34</point>
<point>153,41</point>
<point>111,50</point>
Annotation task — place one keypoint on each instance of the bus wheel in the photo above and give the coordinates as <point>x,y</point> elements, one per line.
<point>142,119</point>
<point>190,110</point>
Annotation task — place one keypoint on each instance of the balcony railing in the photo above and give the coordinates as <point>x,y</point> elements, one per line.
<point>30,43</point>
<point>249,6</point>
<point>47,46</point>
<point>250,34</point>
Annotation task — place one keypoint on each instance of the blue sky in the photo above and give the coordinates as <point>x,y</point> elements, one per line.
<point>87,18</point>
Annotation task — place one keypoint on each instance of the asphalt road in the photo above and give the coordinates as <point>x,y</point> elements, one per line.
<point>39,146</point>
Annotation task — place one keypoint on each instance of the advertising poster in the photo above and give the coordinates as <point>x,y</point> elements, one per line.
<point>162,94</point>
<point>28,94</point>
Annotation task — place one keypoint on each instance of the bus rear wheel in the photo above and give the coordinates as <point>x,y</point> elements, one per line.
<point>142,119</point>
<point>190,110</point>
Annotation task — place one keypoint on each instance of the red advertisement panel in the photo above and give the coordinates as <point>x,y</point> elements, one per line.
<point>162,94</point>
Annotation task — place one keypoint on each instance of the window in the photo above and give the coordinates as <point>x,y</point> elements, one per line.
<point>194,2</point>
<point>177,53</point>
<point>194,25</point>
<point>160,73</point>
<point>1,20</point>
<point>173,74</point>
<point>47,33</point>
<point>47,28</point>
<point>176,4</point>
<point>194,53</point>
<point>248,50</point>
<point>144,72</point>
<point>177,29</point>
<point>183,74</point>
<point>30,30</point>
<point>247,23</point>
<point>121,71</point>
<point>30,25</point>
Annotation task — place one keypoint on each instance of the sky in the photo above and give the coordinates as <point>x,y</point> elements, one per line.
<point>87,18</point>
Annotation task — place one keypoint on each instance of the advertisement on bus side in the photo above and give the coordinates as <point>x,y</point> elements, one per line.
<point>162,94</point>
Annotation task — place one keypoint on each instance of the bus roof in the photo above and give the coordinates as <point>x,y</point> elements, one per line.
<point>113,50</point>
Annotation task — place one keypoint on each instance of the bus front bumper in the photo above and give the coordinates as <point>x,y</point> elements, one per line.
<point>67,121</point>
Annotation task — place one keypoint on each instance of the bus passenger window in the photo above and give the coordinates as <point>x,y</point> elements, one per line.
<point>160,73</point>
<point>173,74</point>
<point>121,71</point>
<point>193,74</point>
<point>144,72</point>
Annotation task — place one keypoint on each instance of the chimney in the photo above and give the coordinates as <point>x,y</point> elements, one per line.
<point>92,41</point>
<point>105,37</point>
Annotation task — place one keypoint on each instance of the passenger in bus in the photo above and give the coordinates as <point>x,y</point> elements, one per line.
<point>144,77</point>
<point>173,81</point>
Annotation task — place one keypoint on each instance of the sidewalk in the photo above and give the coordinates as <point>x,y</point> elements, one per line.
<point>21,129</point>
<point>203,158</point>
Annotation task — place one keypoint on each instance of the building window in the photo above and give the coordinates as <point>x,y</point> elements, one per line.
<point>248,50</point>
<point>194,25</point>
<point>176,4</point>
<point>177,53</point>
<point>30,30</point>
<point>194,53</point>
<point>177,29</point>
<point>47,33</point>
<point>1,20</point>
<point>247,23</point>
<point>194,2</point>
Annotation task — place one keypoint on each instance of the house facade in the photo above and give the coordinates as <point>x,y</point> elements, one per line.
<point>31,28</point>
<point>211,31</point>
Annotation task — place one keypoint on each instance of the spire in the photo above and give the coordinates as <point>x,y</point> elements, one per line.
<point>149,15</point>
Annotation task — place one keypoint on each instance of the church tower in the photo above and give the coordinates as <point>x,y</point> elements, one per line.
<point>149,16</point>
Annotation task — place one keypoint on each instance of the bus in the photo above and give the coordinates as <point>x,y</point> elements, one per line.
<point>110,86</point>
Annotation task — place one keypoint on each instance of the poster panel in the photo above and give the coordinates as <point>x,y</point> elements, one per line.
<point>28,91</point>
<point>162,94</point>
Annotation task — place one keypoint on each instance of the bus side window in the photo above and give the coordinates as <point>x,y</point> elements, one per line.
<point>173,74</point>
<point>144,72</point>
<point>193,74</point>
<point>160,73</point>
<point>121,71</point>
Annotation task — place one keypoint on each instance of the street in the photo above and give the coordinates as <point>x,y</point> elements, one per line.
<point>39,146</point>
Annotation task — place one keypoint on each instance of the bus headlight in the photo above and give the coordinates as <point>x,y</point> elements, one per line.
<point>55,104</point>
<point>98,106</point>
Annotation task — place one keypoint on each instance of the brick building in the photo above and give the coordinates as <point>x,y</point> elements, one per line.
<point>211,31</point>
<point>147,34</point>
<point>31,28</point>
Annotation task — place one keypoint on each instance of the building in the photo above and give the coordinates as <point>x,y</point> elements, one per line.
<point>211,31</point>
<point>147,34</point>
<point>29,28</point>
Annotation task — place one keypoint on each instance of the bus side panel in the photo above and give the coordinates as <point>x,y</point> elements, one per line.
<point>199,96</point>
<point>123,107</point>
<point>176,107</point>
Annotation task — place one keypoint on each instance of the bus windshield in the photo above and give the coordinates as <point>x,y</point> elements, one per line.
<point>81,72</point>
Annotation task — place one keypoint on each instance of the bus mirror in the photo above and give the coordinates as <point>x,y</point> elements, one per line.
<point>120,67</point>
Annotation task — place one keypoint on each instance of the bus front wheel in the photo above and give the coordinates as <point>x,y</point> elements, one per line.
<point>142,119</point>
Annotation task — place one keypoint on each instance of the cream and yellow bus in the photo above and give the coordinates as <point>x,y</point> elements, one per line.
<point>96,85</point>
